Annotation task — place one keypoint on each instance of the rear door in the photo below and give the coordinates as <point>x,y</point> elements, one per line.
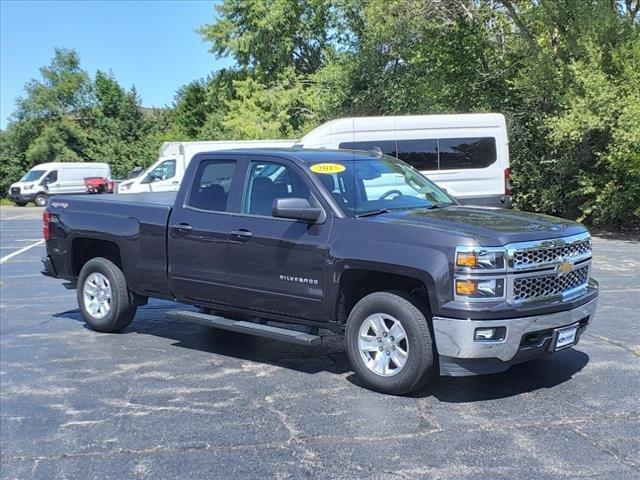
<point>277,265</point>
<point>198,231</point>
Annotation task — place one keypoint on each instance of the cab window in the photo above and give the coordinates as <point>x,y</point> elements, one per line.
<point>212,181</point>
<point>164,171</point>
<point>268,181</point>
<point>51,177</point>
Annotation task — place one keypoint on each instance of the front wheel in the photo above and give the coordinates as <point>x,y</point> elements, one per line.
<point>41,200</point>
<point>20,204</point>
<point>389,343</point>
<point>103,297</point>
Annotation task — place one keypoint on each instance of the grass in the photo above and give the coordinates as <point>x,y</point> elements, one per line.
<point>5,202</point>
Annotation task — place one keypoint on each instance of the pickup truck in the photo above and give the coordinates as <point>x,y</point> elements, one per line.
<point>290,244</point>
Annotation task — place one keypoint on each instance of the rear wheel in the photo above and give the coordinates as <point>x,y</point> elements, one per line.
<point>41,200</point>
<point>103,297</point>
<point>389,344</point>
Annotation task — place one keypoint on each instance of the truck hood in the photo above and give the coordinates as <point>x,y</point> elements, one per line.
<point>487,226</point>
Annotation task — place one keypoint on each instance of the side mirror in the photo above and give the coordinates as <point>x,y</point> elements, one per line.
<point>295,208</point>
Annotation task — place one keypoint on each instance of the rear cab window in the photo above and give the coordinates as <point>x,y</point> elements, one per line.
<point>211,185</point>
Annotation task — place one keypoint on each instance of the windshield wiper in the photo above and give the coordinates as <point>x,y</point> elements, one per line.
<point>437,205</point>
<point>372,213</point>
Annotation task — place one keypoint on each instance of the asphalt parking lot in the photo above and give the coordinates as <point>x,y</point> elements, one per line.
<point>169,400</point>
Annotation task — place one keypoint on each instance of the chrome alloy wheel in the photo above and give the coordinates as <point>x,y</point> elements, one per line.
<point>97,295</point>
<point>382,342</point>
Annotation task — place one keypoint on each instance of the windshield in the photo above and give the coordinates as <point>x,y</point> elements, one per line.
<point>32,175</point>
<point>367,185</point>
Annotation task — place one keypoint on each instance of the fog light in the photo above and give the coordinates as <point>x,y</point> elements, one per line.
<point>466,287</point>
<point>495,334</point>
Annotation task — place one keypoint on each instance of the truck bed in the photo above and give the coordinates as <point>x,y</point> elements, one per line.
<point>151,198</point>
<point>135,223</point>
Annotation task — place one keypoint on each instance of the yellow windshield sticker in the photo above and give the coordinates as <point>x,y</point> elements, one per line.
<point>327,168</point>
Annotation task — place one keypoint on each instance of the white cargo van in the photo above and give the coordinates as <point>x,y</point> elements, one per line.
<point>56,178</point>
<point>166,173</point>
<point>466,154</point>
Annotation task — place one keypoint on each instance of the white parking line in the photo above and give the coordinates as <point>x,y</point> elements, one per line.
<point>11,255</point>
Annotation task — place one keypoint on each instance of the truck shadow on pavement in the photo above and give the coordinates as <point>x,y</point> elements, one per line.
<point>330,356</point>
<point>544,373</point>
<point>326,357</point>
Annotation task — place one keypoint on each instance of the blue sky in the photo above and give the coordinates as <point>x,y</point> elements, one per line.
<point>152,44</point>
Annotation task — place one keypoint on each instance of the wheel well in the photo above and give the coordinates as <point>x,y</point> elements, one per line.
<point>84,249</point>
<point>356,284</point>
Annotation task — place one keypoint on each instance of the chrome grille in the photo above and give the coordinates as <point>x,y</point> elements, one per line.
<point>540,286</point>
<point>532,257</point>
<point>15,190</point>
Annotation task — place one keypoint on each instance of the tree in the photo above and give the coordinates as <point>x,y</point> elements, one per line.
<point>65,116</point>
<point>64,89</point>
<point>119,129</point>
<point>190,110</point>
<point>258,111</point>
<point>270,36</point>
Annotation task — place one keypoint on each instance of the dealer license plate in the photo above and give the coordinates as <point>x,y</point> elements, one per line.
<point>565,337</point>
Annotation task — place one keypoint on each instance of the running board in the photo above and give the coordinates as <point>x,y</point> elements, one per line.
<point>249,328</point>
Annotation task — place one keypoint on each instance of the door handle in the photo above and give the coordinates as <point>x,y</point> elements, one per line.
<point>241,234</point>
<point>176,182</point>
<point>183,227</point>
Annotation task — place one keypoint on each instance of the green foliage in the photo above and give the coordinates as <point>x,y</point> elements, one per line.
<point>64,89</point>
<point>67,116</point>
<point>271,35</point>
<point>565,73</point>
<point>191,109</point>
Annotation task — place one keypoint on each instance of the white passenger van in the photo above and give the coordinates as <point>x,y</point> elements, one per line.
<point>55,178</point>
<point>466,154</point>
<point>166,173</point>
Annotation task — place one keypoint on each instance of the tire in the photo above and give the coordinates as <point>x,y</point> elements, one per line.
<point>40,200</point>
<point>390,308</point>
<point>20,204</point>
<point>121,308</point>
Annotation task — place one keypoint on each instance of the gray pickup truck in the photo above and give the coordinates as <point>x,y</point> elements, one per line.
<point>285,244</point>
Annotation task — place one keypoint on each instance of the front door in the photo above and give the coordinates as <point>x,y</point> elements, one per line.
<point>198,231</point>
<point>277,265</point>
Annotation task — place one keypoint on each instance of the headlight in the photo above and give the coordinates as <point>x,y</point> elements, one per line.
<point>480,288</point>
<point>480,258</point>
<point>28,187</point>
<point>124,187</point>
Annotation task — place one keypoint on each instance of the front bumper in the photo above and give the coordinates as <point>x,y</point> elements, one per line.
<point>22,197</point>
<point>461,355</point>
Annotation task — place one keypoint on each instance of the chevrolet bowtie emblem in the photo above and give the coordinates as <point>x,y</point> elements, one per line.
<point>564,267</point>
